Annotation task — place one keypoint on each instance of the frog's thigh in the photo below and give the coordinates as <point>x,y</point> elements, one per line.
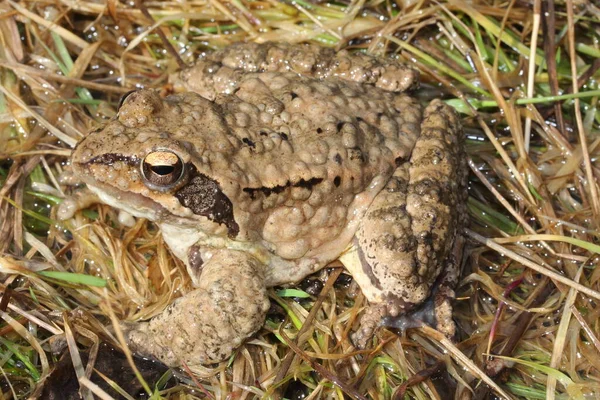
<point>207,324</point>
<point>408,232</point>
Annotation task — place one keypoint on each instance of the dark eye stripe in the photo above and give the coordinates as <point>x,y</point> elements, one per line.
<point>205,197</point>
<point>111,158</point>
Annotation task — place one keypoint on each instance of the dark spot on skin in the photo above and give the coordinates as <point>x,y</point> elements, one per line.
<point>389,213</point>
<point>399,161</point>
<point>294,95</point>
<point>204,197</point>
<point>267,191</point>
<point>249,142</point>
<point>338,159</point>
<point>195,260</point>
<point>111,158</point>
<point>339,126</point>
<point>319,130</point>
<point>440,192</point>
<point>397,185</point>
<point>366,267</point>
<point>307,184</point>
<point>283,136</point>
<point>336,181</point>
<point>396,243</point>
<point>263,133</point>
<point>356,154</point>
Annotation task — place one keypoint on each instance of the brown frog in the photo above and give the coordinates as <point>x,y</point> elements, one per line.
<point>275,160</point>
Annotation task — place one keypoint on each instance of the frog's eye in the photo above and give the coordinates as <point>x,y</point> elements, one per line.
<point>124,97</point>
<point>162,169</point>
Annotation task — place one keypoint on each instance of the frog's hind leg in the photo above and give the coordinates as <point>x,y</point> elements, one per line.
<point>207,324</point>
<point>407,237</point>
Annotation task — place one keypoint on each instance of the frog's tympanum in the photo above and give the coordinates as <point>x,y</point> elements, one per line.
<point>272,161</point>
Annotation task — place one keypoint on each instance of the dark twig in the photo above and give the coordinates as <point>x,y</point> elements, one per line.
<point>419,377</point>
<point>319,369</point>
<point>496,366</point>
<point>8,292</point>
<point>196,382</point>
<point>583,78</point>
<point>161,34</point>
<point>501,306</point>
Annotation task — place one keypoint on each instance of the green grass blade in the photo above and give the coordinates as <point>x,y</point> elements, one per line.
<point>72,277</point>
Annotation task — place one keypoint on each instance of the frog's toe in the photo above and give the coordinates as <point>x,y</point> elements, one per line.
<point>66,209</point>
<point>369,322</point>
<point>443,317</point>
<point>139,339</point>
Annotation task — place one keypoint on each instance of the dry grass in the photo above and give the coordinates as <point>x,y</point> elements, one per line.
<point>529,295</point>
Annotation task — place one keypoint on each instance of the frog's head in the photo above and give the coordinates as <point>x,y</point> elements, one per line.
<point>148,161</point>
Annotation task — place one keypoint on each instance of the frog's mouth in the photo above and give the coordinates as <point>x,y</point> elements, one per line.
<point>133,203</point>
<point>142,206</point>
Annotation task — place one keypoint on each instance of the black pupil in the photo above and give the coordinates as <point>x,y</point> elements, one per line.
<point>162,169</point>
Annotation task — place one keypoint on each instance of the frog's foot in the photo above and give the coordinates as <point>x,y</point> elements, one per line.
<point>436,312</point>
<point>406,242</point>
<point>80,199</point>
<point>369,322</point>
<point>377,315</point>
<point>207,324</point>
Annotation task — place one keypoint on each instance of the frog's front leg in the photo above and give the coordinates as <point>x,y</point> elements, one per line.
<point>207,324</point>
<point>79,200</point>
<point>406,243</point>
<point>83,198</point>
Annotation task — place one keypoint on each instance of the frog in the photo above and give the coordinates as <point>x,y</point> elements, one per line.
<point>265,163</point>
